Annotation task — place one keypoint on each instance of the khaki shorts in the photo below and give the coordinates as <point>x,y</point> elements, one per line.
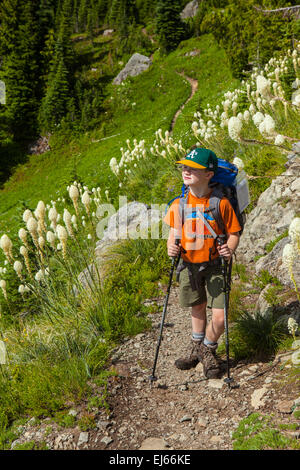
<point>211,289</point>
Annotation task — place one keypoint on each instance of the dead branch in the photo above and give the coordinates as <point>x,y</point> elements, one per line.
<point>285,11</point>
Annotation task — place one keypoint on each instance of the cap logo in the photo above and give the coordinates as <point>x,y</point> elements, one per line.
<point>192,154</point>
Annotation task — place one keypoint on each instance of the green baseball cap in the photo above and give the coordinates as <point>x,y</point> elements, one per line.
<point>201,158</point>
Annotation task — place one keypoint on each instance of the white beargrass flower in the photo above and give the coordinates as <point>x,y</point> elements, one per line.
<point>62,236</point>
<point>23,235</point>
<point>39,276</point>
<point>258,118</point>
<point>279,139</point>
<point>21,289</point>
<point>50,236</point>
<point>6,245</point>
<point>114,166</point>
<point>68,222</point>
<point>292,326</point>
<point>26,215</point>
<point>235,128</point>
<point>52,216</point>
<point>247,115</point>
<point>3,287</point>
<point>234,107</point>
<point>40,210</point>
<point>263,86</point>
<point>294,232</point>
<point>86,200</point>
<point>74,195</point>
<point>18,267</point>
<point>24,253</point>
<point>288,255</point>
<point>252,109</point>
<point>41,242</point>
<point>32,227</point>
<point>238,162</point>
<point>269,125</point>
<point>61,233</point>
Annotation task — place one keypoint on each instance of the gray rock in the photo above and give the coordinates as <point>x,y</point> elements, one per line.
<point>272,263</point>
<point>83,438</point>
<point>185,418</point>
<point>190,10</point>
<point>275,209</point>
<point>262,305</point>
<point>137,64</point>
<point>106,440</point>
<point>15,443</point>
<point>154,443</point>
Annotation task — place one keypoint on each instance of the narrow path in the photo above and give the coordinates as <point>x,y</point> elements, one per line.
<point>194,85</point>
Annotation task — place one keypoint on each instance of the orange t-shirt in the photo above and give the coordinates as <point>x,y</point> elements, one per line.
<point>195,237</point>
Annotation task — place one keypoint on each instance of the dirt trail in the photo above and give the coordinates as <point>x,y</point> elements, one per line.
<point>194,84</point>
<point>182,410</point>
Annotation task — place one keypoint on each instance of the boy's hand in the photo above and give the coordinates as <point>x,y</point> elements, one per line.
<point>225,251</point>
<point>173,250</point>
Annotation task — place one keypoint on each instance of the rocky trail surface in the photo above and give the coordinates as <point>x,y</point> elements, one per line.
<point>182,409</point>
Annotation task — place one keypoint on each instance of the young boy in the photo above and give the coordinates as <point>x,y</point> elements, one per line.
<point>201,278</point>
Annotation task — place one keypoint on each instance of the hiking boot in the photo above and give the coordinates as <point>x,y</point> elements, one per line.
<point>211,367</point>
<point>188,362</point>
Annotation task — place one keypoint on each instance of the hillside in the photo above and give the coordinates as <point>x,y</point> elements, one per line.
<point>80,301</point>
<point>157,94</point>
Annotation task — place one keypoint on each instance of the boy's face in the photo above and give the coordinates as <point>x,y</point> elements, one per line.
<point>195,177</point>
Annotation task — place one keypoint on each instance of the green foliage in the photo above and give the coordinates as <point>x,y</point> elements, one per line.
<point>256,335</point>
<point>248,36</point>
<point>19,71</point>
<point>64,419</point>
<point>271,244</point>
<point>87,422</point>
<point>259,432</point>
<point>264,278</point>
<point>169,26</point>
<point>32,445</point>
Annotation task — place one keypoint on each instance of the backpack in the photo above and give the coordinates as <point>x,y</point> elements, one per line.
<point>228,182</point>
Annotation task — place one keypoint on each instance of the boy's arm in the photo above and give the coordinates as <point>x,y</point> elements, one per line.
<point>173,249</point>
<point>230,246</point>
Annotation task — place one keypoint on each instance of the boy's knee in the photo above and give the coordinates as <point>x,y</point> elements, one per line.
<point>199,309</point>
<point>218,316</point>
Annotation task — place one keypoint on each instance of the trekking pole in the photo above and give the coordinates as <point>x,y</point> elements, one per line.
<point>226,289</point>
<point>175,261</point>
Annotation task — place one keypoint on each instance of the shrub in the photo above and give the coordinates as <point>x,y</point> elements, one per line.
<point>256,335</point>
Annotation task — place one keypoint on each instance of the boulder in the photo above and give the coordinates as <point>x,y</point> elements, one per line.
<point>137,64</point>
<point>275,209</point>
<point>272,263</point>
<point>131,221</point>
<point>190,10</point>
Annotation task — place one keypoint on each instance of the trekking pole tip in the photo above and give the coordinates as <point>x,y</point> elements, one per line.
<point>231,383</point>
<point>152,379</point>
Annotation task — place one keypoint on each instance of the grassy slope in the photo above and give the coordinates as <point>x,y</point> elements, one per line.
<point>158,93</point>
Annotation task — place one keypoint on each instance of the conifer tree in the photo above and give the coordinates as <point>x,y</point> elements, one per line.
<point>19,71</point>
<point>169,27</point>
<point>59,91</point>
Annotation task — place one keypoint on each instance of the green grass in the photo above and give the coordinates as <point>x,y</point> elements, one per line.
<point>259,432</point>
<point>158,94</point>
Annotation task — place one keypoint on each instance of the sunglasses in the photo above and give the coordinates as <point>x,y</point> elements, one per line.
<point>188,168</point>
